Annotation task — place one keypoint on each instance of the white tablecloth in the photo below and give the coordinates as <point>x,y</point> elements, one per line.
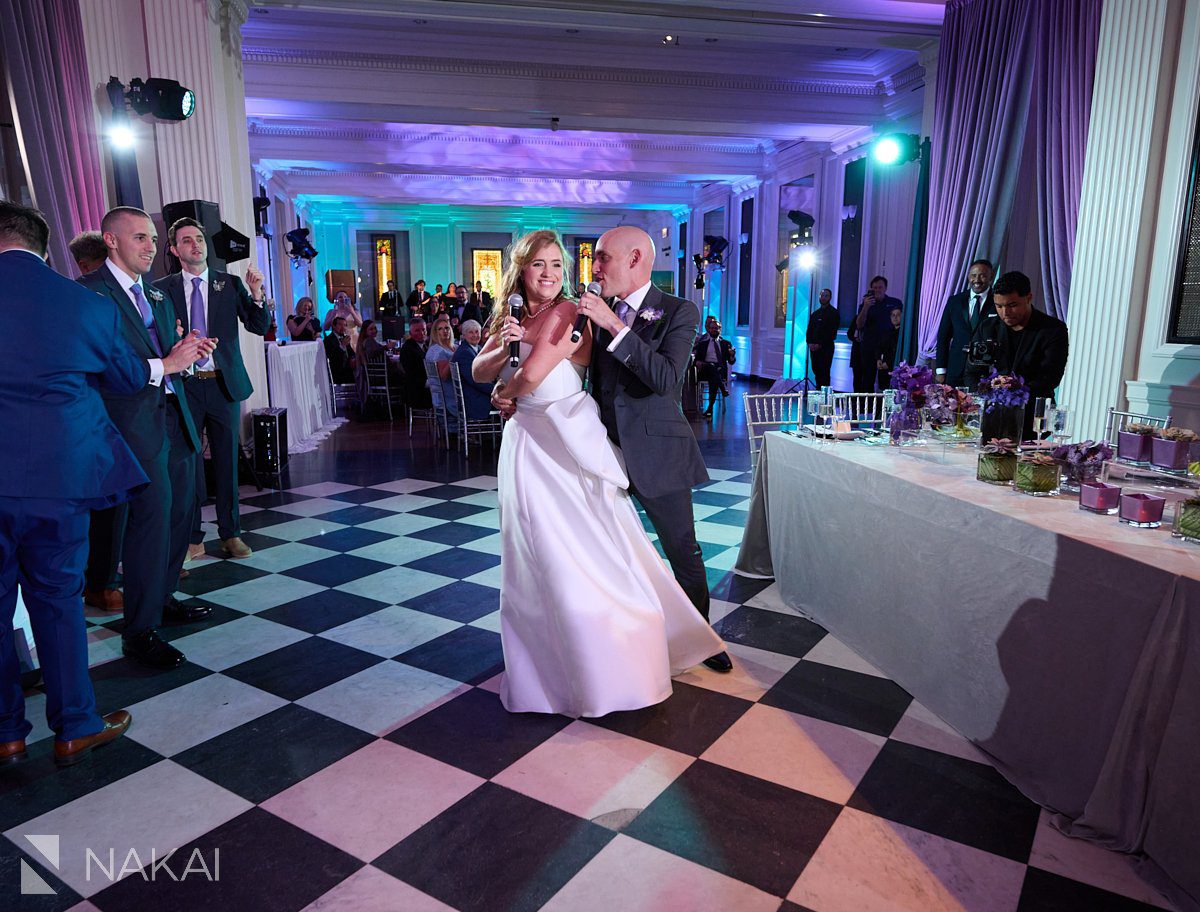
<point>299,382</point>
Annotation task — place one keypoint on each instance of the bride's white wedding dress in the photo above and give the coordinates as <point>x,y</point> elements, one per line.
<point>591,618</point>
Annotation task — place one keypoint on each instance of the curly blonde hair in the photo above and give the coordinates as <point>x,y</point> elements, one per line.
<point>520,254</point>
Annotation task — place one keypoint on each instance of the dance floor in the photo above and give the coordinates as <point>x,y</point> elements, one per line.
<point>337,739</point>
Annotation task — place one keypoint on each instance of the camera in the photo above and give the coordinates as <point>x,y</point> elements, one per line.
<point>982,352</point>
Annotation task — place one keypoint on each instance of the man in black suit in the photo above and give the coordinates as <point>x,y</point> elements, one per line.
<point>714,355</point>
<point>640,352</point>
<point>338,352</point>
<point>1020,340</point>
<point>416,304</point>
<point>960,318</point>
<point>212,303</point>
<point>390,313</point>
<point>821,335</point>
<point>483,301</point>
<point>869,331</point>
<point>157,424</point>
<point>412,363</point>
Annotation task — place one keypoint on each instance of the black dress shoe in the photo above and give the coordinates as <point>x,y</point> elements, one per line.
<point>720,662</point>
<point>152,651</point>
<point>177,612</point>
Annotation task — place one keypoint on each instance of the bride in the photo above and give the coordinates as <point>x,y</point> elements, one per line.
<point>592,620</point>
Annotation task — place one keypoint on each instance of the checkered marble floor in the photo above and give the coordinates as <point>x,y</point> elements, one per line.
<point>336,735</point>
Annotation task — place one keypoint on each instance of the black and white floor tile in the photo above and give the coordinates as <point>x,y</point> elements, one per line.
<point>337,738</point>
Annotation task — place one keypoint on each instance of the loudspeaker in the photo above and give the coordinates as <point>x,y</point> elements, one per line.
<point>270,440</point>
<point>340,280</point>
<point>208,215</point>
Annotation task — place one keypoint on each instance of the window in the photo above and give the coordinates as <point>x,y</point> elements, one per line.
<point>1184,324</point>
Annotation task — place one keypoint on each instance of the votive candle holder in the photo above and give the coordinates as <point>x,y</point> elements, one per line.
<point>1098,497</point>
<point>1142,511</point>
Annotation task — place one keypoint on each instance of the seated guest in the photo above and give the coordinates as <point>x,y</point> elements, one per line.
<point>341,357</point>
<point>713,357</point>
<point>412,365</point>
<point>441,350</point>
<point>68,458</point>
<point>1017,339</point>
<point>344,307</point>
<point>88,250</point>
<point>302,326</point>
<point>960,318</point>
<point>887,353</point>
<point>478,396</point>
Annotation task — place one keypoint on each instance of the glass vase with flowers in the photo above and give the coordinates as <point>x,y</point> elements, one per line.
<point>1081,462</point>
<point>1004,399</point>
<point>909,381</point>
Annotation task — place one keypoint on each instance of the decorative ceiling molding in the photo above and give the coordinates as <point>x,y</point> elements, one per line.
<point>271,56</point>
<point>903,81</point>
<point>481,180</point>
<point>564,140</point>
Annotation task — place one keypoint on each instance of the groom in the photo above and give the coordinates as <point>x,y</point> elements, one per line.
<point>640,351</point>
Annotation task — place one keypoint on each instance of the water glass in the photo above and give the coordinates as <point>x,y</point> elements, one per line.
<point>1042,408</point>
<point>1060,424</point>
<point>813,404</point>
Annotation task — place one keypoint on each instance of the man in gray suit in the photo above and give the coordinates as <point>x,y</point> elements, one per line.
<point>639,357</point>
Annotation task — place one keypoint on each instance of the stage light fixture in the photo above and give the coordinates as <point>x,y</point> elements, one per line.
<point>301,249</point>
<point>807,260</point>
<point>715,246</point>
<point>897,148</point>
<point>164,99</point>
<point>121,136</point>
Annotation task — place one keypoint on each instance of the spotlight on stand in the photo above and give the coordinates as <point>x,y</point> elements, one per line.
<point>806,260</point>
<point>715,247</point>
<point>121,136</point>
<point>300,248</point>
<point>897,148</point>
<point>261,226</point>
<point>699,262</point>
<point>699,280</point>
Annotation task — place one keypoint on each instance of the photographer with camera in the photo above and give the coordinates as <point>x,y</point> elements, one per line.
<point>1019,340</point>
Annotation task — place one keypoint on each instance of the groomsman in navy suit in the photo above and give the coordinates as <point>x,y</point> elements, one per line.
<point>61,457</point>
<point>212,303</point>
<point>157,425</point>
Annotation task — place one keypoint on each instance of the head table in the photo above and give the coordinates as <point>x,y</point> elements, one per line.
<point>1062,643</point>
<point>298,380</point>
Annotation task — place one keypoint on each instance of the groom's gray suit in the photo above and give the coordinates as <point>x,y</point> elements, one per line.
<point>638,388</point>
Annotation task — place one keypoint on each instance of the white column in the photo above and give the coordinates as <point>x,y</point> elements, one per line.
<point>1113,240</point>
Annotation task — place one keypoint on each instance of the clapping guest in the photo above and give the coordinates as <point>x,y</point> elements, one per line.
<point>478,396</point>
<point>302,325</point>
<point>344,307</point>
<point>88,250</point>
<point>339,354</point>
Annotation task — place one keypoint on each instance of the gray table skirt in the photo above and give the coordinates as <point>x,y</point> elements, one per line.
<point>1074,665</point>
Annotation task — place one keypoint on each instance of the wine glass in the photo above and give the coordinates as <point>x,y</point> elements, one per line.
<point>825,413</point>
<point>813,404</point>
<point>1042,410</point>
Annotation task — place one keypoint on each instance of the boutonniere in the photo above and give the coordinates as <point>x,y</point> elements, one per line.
<point>218,285</point>
<point>153,294</point>
<point>650,315</point>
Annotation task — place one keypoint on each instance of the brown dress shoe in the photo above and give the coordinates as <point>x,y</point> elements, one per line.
<point>115,725</point>
<point>106,599</point>
<point>235,547</point>
<point>11,752</point>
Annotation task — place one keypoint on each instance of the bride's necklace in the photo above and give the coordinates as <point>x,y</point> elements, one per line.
<point>541,310</point>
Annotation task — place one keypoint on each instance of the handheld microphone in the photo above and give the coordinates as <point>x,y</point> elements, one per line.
<point>581,321</point>
<point>515,303</point>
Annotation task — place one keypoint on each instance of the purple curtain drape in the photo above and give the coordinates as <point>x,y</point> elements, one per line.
<point>53,102</point>
<point>980,110</point>
<point>1064,68</point>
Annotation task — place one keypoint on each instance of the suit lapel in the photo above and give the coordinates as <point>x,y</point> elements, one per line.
<point>164,320</point>
<point>174,292</point>
<point>126,306</point>
<point>644,328</point>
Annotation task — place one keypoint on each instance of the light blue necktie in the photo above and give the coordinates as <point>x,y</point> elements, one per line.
<point>143,307</point>
<point>623,311</point>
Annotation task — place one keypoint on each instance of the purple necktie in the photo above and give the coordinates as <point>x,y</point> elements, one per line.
<point>199,323</point>
<point>147,317</point>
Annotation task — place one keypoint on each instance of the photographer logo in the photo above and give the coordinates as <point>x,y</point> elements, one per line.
<point>110,865</point>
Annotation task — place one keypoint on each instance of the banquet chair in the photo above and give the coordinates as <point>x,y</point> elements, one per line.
<point>468,428</point>
<point>863,410</point>
<point>770,412</point>
<point>1119,421</point>
<point>380,385</point>
<point>441,414</point>
<point>341,394</point>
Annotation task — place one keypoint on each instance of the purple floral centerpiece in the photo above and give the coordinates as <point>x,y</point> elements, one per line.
<point>1004,398</point>
<point>909,381</point>
<point>1081,462</point>
<point>948,407</point>
<point>1133,443</point>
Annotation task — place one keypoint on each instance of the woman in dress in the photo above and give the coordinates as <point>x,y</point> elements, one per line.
<point>440,352</point>
<point>302,326</point>
<point>592,620</point>
<point>344,307</point>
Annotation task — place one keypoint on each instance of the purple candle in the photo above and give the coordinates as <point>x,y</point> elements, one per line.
<point>1142,510</point>
<point>1098,497</point>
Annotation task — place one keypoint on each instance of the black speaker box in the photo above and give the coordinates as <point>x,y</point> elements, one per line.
<point>207,214</point>
<point>270,440</point>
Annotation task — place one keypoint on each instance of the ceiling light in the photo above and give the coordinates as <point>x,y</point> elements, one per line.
<point>121,136</point>
<point>671,40</point>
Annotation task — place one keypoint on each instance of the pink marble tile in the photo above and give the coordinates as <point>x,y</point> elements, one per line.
<point>868,864</point>
<point>921,727</point>
<point>1091,864</point>
<point>631,876</point>
<point>755,671</point>
<point>592,772</point>
<point>370,890</point>
<point>799,752</point>
<point>367,802</point>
